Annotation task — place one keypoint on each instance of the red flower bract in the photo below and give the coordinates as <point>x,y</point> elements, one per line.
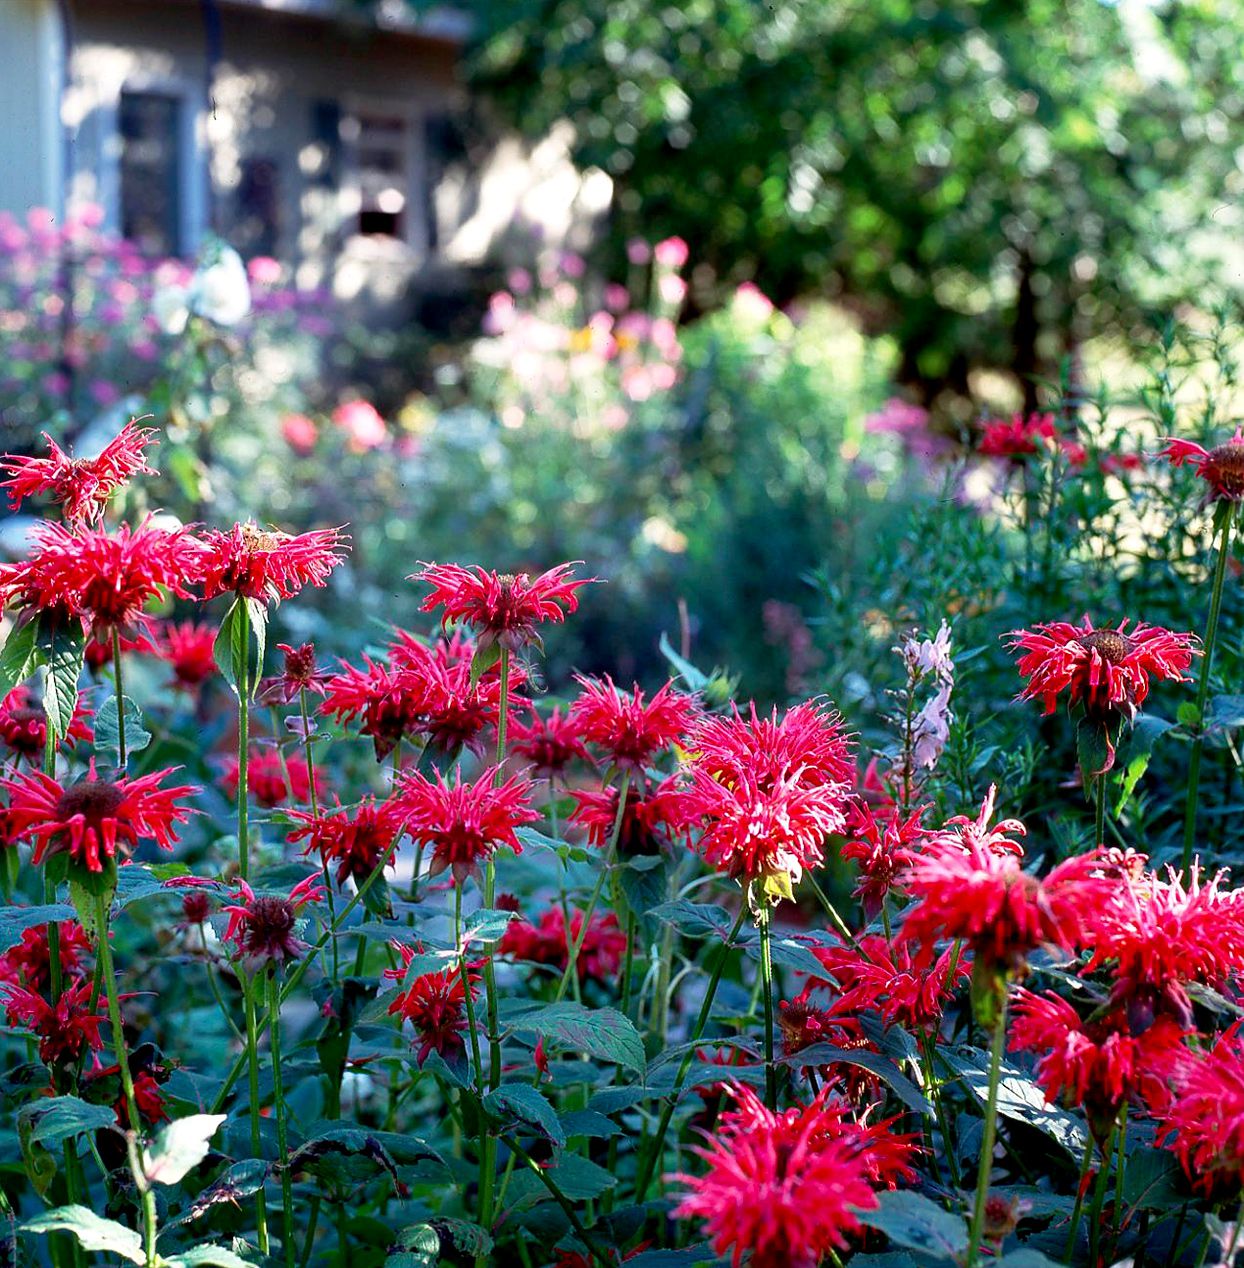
<point>95,819</point>
<point>785,1187</point>
<point>965,889</point>
<point>354,839</point>
<point>266,564</point>
<point>261,928</point>
<point>108,578</point>
<point>1203,1120</point>
<point>66,1029</point>
<point>1017,437</point>
<point>1096,1064</point>
<point>435,1004</point>
<point>82,486</point>
<point>23,724</point>
<point>1222,468</point>
<point>1102,669</point>
<point>463,822</point>
<point>630,728</point>
<point>503,609</point>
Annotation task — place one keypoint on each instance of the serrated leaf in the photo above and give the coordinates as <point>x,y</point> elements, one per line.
<point>108,734</point>
<point>14,921</point>
<point>579,1179</point>
<point>603,1033</point>
<point>916,1223</point>
<point>62,645</point>
<point>180,1147</point>
<point>19,658</point>
<point>819,1054</point>
<point>418,1246</point>
<point>239,1181</point>
<point>785,951</point>
<point>519,1102</point>
<point>486,925</point>
<point>55,1120</point>
<point>92,1232</point>
<point>696,920</point>
<point>467,1238</point>
<point>1137,754</point>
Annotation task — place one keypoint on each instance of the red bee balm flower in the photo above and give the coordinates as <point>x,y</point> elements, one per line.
<point>550,743</point>
<point>1096,1064</point>
<point>1102,669</point>
<point>1019,437</point>
<point>786,1186</point>
<point>882,848</point>
<point>298,674</point>
<point>189,650</point>
<point>967,890</point>
<point>356,840</point>
<point>652,817</point>
<point>66,1030</point>
<point>82,486</point>
<point>266,564</point>
<point>265,778</point>
<point>29,962</point>
<point>808,741</point>
<point>1204,1120</point>
<point>106,577</point>
<point>435,1004</point>
<point>463,822</point>
<point>503,609</point>
<point>23,724</point>
<point>546,942</point>
<point>629,728</point>
<point>95,818</point>
<point>1222,468</point>
<point>261,928</point>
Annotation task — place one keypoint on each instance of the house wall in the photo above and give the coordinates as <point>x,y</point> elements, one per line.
<point>31,154</point>
<point>277,81</point>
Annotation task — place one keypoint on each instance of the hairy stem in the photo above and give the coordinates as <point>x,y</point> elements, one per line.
<point>984,1169</point>
<point>282,1133</point>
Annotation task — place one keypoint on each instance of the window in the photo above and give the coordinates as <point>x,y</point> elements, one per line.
<point>258,223</point>
<point>150,171</point>
<point>382,149</point>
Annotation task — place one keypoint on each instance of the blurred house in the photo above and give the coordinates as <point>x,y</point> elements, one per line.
<point>322,132</point>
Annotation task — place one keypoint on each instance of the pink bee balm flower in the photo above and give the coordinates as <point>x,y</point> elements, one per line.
<point>82,486</point>
<point>362,424</point>
<point>1222,468</point>
<point>503,608</point>
<point>463,822</point>
<point>1102,669</point>
<point>262,928</point>
<point>785,1187</point>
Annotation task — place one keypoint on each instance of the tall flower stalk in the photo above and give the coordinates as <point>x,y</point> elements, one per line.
<point>984,1170</point>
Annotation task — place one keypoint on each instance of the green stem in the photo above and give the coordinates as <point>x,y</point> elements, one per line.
<point>315,810</point>
<point>282,1134</point>
<point>765,920</point>
<point>1073,1233</point>
<point>1099,1197</point>
<point>1099,816</point>
<point>485,1153</point>
<point>1120,1169</point>
<point>118,683</point>
<point>1225,514</point>
<point>576,945</point>
<point>985,1167</point>
<point>252,1059</point>
<point>104,951</point>
<point>658,1143</point>
<point>242,658</point>
<point>832,912</point>
<point>594,1252</point>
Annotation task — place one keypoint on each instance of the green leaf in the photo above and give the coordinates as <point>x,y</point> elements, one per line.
<point>483,661</point>
<point>208,1257</point>
<point>520,1102</point>
<point>1094,750</point>
<point>14,921</point>
<point>108,734</point>
<point>694,679</point>
<point>240,1181</point>
<point>19,657</point>
<point>53,1121</point>
<point>1026,1257</point>
<point>241,643</point>
<point>784,950</point>
<point>818,1054</point>
<point>603,1033</point>
<point>92,1232</point>
<point>180,1147</point>
<point>486,925</point>
<point>418,1246</point>
<point>579,1179</point>
<point>1225,711</point>
<point>917,1223</point>
<point>62,644</point>
<point>1187,715</point>
<point>687,1258</point>
<point>696,920</point>
<point>86,888</point>
<point>1136,756</point>
<point>468,1239</point>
